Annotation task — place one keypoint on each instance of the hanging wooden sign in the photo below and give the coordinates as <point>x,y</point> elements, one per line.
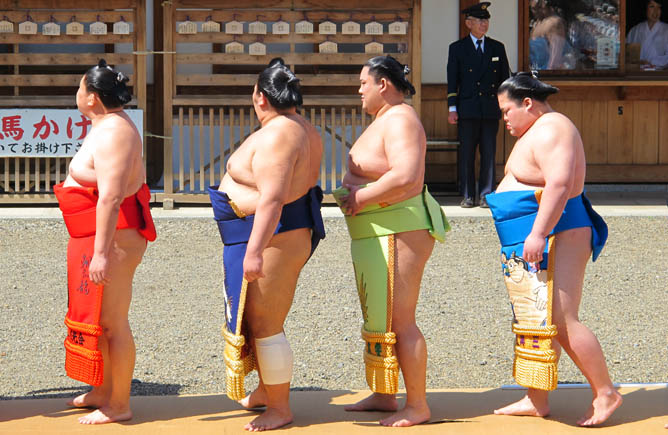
<point>187,28</point>
<point>373,48</point>
<point>304,28</point>
<point>327,28</point>
<point>210,26</point>
<point>98,28</point>
<point>257,49</point>
<point>51,29</point>
<point>328,47</point>
<point>27,28</point>
<point>121,28</point>
<point>373,28</point>
<point>350,28</point>
<point>74,28</point>
<point>280,28</point>
<point>398,28</point>
<point>234,47</point>
<point>6,26</point>
<point>257,28</point>
<point>234,28</point>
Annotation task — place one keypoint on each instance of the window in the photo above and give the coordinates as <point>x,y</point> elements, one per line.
<point>646,37</point>
<point>574,35</point>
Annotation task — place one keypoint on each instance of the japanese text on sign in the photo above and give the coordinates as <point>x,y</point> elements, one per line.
<point>47,132</point>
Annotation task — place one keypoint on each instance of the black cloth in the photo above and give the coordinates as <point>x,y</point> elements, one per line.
<point>471,133</point>
<point>473,80</point>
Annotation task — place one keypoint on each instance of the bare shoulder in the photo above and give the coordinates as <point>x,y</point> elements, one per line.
<point>555,130</point>
<point>400,116</point>
<point>117,132</point>
<point>283,133</point>
<point>556,123</point>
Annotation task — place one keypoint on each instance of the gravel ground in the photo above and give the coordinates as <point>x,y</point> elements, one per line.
<point>463,311</point>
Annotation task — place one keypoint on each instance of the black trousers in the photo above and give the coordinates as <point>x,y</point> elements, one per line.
<point>474,132</point>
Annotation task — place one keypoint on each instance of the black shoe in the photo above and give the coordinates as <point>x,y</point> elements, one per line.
<point>483,203</point>
<point>467,203</point>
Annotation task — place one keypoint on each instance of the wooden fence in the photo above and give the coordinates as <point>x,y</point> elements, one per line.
<point>41,71</point>
<point>208,114</point>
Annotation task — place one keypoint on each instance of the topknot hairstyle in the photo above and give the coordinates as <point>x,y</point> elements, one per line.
<point>280,85</point>
<point>523,85</point>
<point>108,84</point>
<point>389,68</point>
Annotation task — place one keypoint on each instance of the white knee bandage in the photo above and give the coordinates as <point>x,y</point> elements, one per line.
<point>274,358</point>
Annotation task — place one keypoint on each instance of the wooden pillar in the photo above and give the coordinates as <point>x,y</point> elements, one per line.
<point>416,55</point>
<point>168,91</point>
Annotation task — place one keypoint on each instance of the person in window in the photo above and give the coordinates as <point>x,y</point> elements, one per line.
<point>548,46</point>
<point>652,35</point>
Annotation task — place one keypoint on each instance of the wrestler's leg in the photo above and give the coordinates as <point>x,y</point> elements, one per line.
<point>268,302</point>
<point>413,249</point>
<point>572,250</point>
<point>126,253</point>
<point>99,395</point>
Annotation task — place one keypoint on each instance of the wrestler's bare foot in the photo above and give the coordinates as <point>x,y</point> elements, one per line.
<point>375,402</point>
<point>106,414</point>
<point>601,408</point>
<point>272,418</point>
<point>409,416</point>
<point>531,406</point>
<point>256,399</point>
<point>91,399</point>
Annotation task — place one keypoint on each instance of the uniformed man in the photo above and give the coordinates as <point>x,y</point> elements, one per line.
<point>477,65</point>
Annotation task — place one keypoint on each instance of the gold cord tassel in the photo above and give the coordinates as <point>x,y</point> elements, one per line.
<point>382,366</point>
<point>237,365</point>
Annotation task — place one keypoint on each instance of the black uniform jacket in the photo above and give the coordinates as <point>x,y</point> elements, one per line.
<point>472,84</point>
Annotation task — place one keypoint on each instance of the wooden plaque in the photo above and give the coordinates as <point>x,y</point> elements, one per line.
<point>28,28</point>
<point>328,47</point>
<point>398,28</point>
<point>280,28</point>
<point>74,28</point>
<point>234,28</point>
<point>304,28</point>
<point>210,27</point>
<point>327,28</point>
<point>6,26</point>
<point>51,29</point>
<point>373,48</point>
<point>234,47</point>
<point>187,28</point>
<point>121,28</point>
<point>98,28</point>
<point>350,28</point>
<point>257,49</point>
<point>257,28</point>
<point>373,28</point>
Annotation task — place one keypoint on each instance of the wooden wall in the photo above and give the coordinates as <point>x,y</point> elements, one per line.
<point>624,128</point>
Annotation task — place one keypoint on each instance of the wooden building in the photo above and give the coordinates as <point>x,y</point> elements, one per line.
<point>197,95</point>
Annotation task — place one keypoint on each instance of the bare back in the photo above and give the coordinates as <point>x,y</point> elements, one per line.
<point>551,133</point>
<point>394,141</point>
<point>295,136</point>
<point>115,130</point>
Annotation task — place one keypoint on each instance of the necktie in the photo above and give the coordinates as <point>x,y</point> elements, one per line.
<point>479,49</point>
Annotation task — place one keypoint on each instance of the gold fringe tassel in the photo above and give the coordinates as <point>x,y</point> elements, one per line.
<point>382,371</point>
<point>237,365</point>
<point>535,364</point>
